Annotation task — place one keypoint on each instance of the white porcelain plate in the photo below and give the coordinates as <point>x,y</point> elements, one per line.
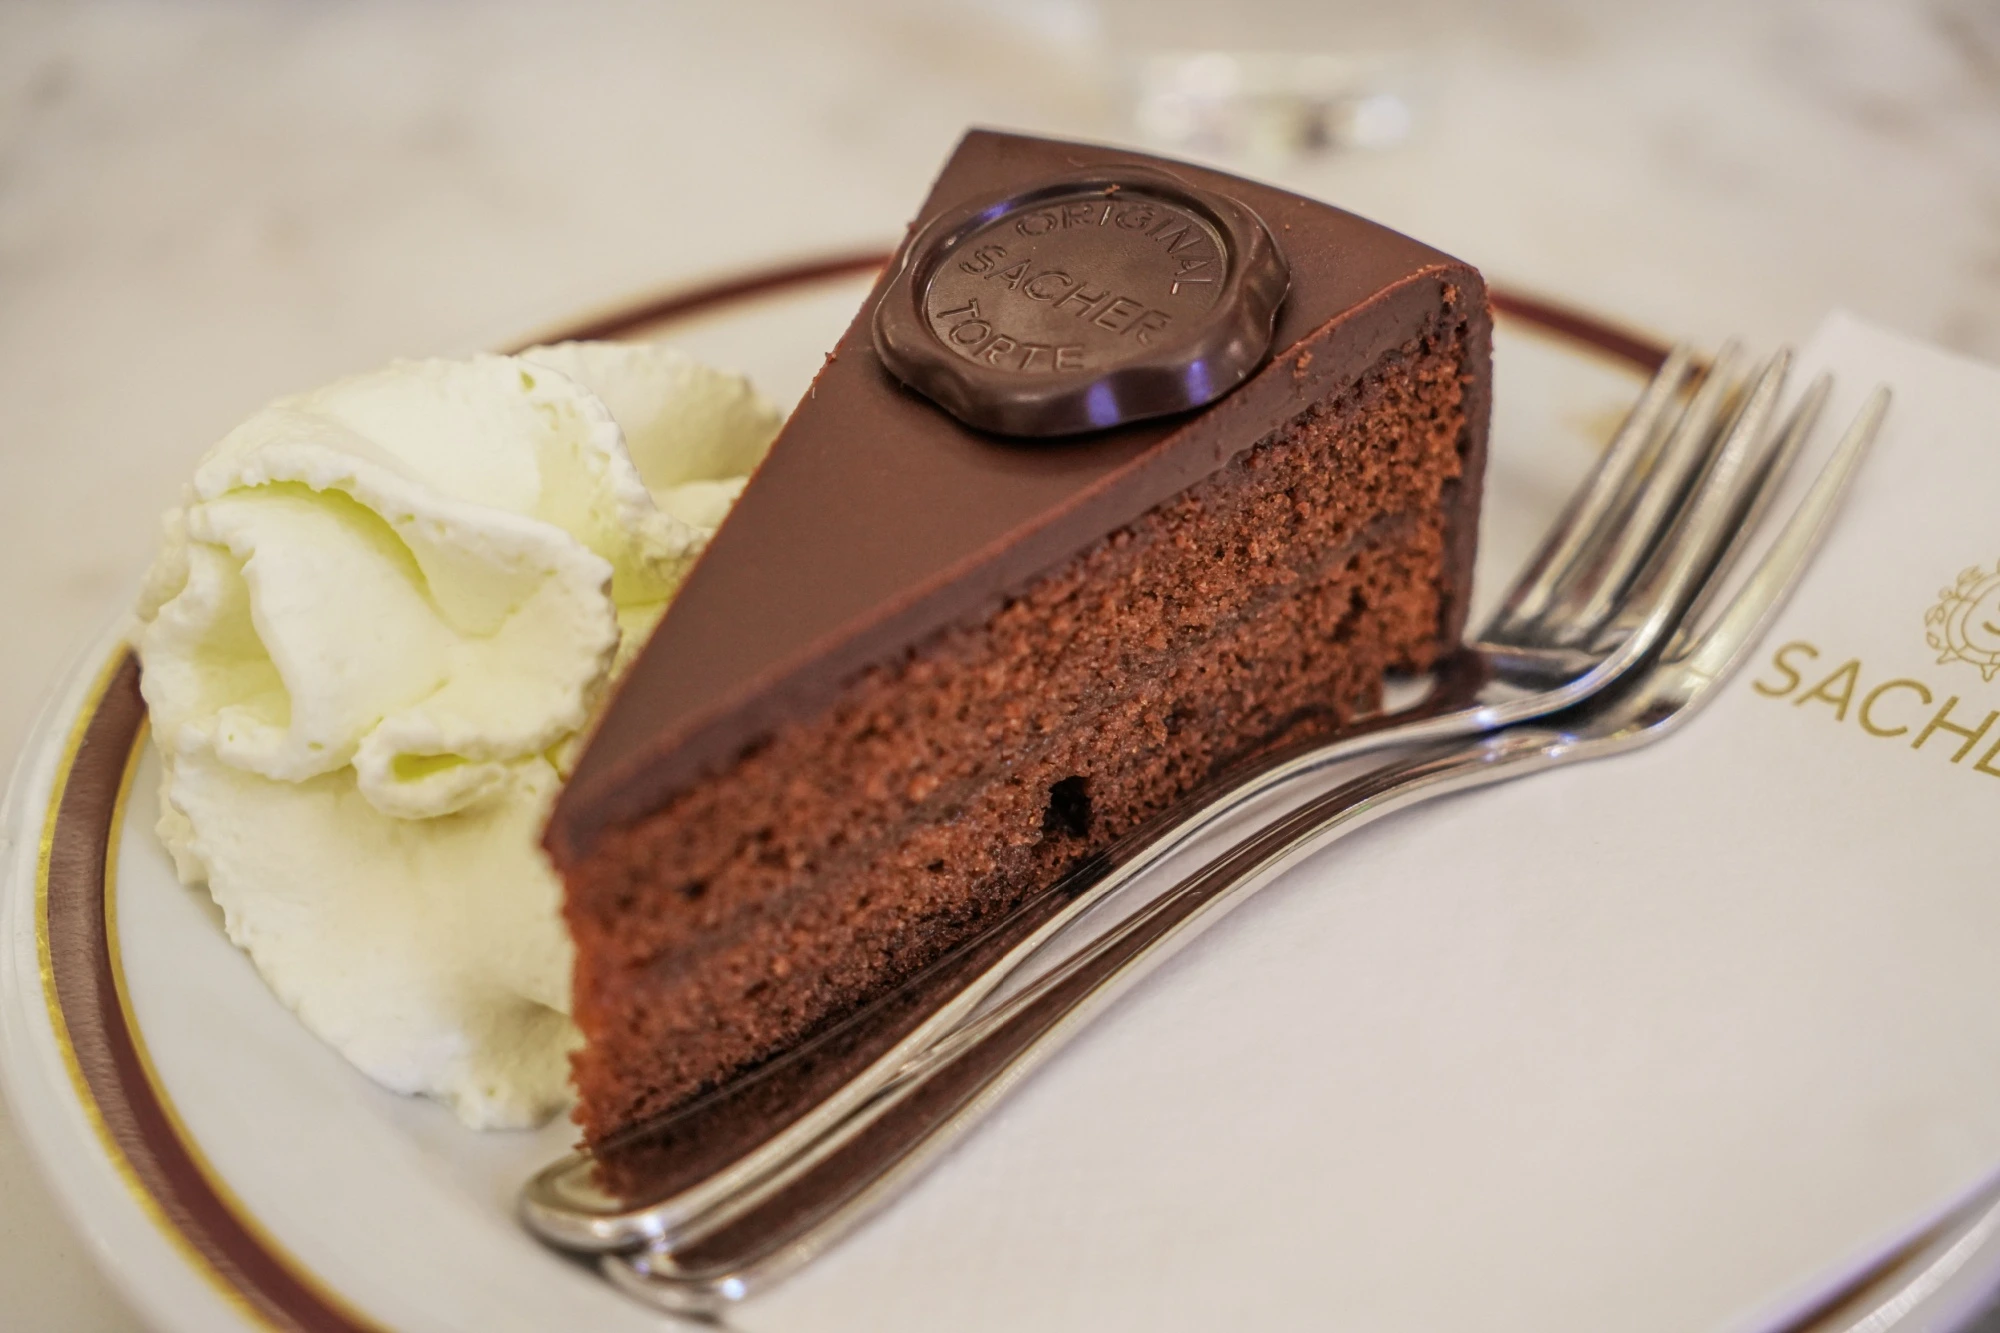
<point>230,1171</point>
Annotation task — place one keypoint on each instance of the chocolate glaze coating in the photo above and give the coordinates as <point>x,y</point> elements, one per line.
<point>878,518</point>
<point>1086,301</point>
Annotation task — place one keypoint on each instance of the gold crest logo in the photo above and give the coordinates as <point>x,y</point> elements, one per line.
<point>1965,624</point>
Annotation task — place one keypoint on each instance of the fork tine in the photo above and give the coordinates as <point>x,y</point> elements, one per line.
<point>1763,485</point>
<point>1749,613</point>
<point>1565,551</point>
<point>1655,505</point>
<point>1797,429</point>
<point>1681,563</point>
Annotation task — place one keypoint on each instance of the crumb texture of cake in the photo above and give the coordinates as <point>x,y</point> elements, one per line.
<point>923,671</point>
<point>940,788</point>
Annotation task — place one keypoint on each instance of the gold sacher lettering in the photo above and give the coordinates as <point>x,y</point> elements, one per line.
<point>1868,705</point>
<point>1787,674</point>
<point>1792,674</point>
<point>1848,677</point>
<point>1939,722</point>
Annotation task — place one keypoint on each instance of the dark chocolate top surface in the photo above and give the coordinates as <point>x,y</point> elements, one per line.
<point>878,518</point>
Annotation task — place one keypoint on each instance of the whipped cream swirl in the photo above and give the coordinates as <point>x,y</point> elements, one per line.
<point>380,620</point>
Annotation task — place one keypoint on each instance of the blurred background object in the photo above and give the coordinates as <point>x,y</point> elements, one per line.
<point>1266,106</point>
<point>209,203</point>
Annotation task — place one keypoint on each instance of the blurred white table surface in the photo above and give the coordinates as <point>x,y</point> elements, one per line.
<point>205,205</point>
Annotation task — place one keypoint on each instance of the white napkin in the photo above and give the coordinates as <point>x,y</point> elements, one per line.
<point>1655,1043</point>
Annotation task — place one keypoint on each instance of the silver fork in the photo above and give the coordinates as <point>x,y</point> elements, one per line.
<point>770,1226</point>
<point>1629,559</point>
<point>1609,581</point>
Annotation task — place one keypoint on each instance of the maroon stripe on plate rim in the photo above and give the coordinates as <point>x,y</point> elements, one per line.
<point>134,1115</point>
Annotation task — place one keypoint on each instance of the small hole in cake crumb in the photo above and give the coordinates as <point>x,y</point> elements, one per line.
<point>693,889</point>
<point>935,867</point>
<point>1068,813</point>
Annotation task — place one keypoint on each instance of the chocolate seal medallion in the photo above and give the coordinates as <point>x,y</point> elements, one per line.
<point>1082,302</point>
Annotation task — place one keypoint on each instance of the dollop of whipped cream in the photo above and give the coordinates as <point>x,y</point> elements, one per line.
<point>380,620</point>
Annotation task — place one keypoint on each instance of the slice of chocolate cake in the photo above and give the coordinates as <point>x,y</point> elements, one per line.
<point>924,667</point>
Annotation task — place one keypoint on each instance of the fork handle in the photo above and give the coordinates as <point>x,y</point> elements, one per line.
<point>805,1205</point>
